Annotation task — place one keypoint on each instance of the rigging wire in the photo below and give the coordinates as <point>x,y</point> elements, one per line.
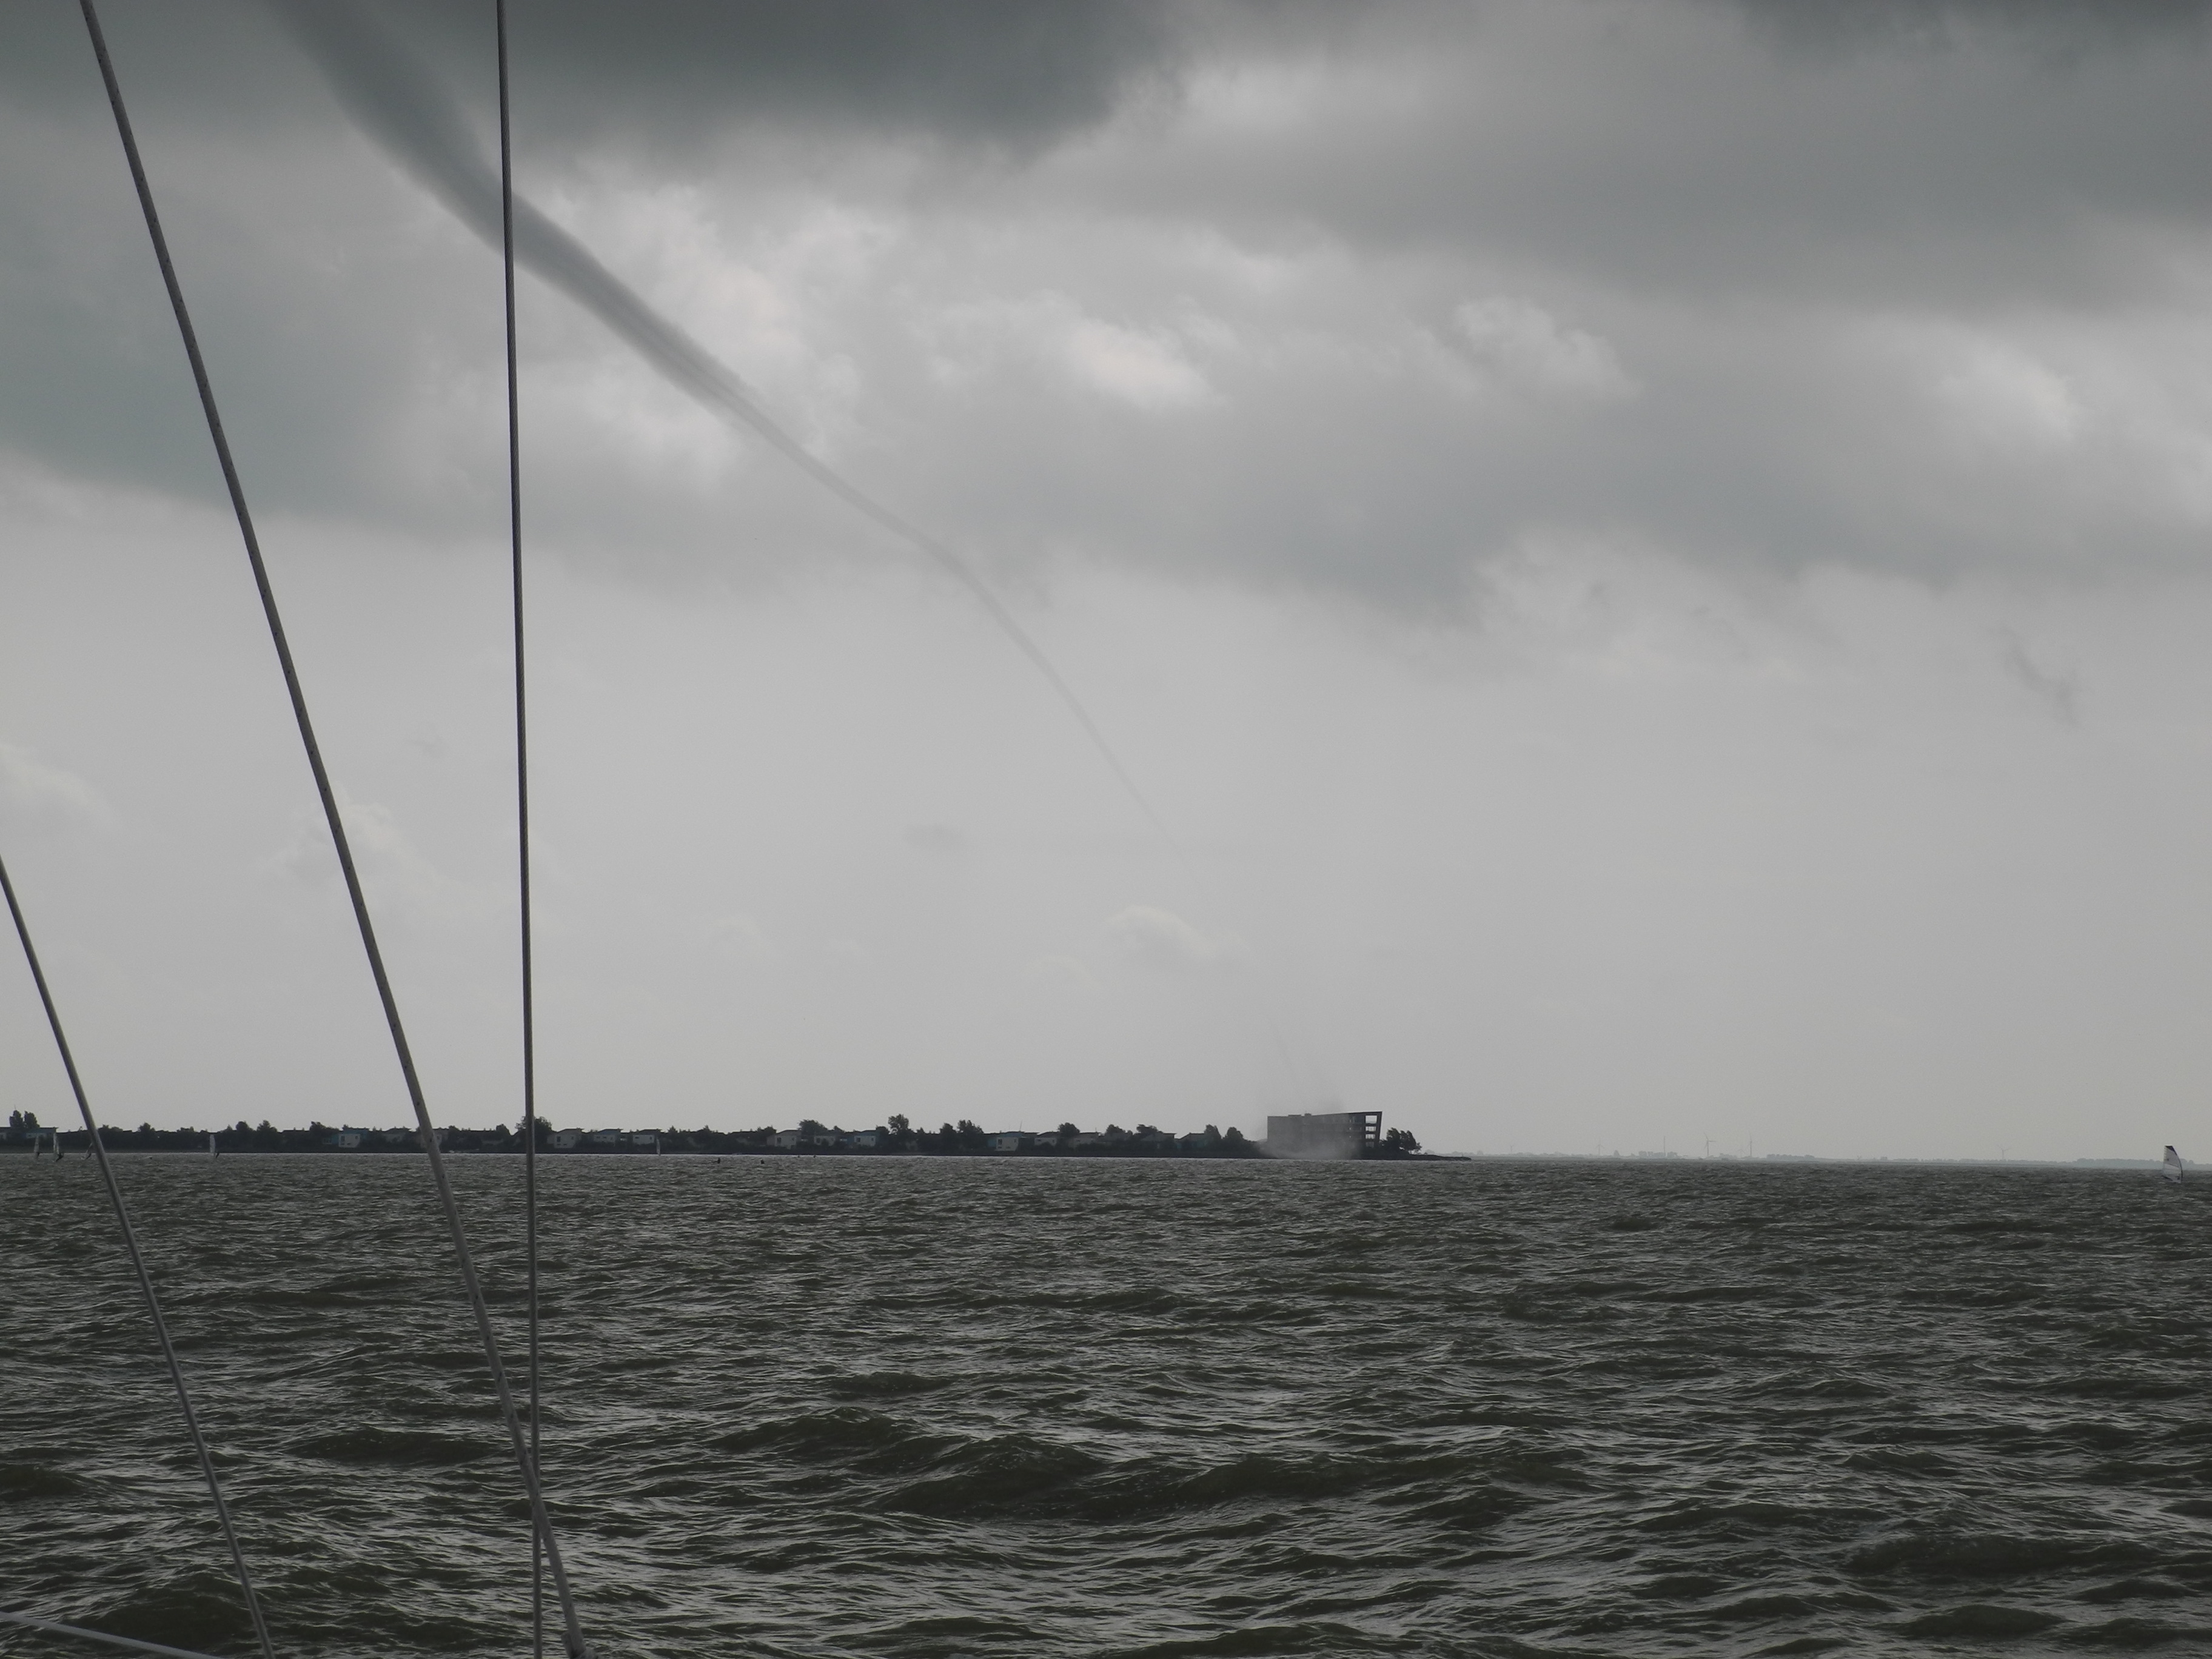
<point>54,1627</point>
<point>521,806</point>
<point>137,1265</point>
<point>426,1131</point>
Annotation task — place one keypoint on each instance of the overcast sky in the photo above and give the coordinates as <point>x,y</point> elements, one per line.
<point>1650,554</point>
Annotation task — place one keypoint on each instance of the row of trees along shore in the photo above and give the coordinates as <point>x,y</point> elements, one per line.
<point>897,1138</point>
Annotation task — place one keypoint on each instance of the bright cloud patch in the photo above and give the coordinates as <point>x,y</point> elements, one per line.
<point>1147,370</point>
<point>1161,941</point>
<point>34,789</point>
<point>2002,393</point>
<point>1065,971</point>
<point>402,880</point>
<point>739,938</point>
<point>1522,346</point>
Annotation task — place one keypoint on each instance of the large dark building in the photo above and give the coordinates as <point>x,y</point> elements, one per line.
<point>1324,1135</point>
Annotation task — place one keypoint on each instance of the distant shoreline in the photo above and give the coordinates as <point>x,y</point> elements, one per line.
<point>318,1140</point>
<point>192,1143</point>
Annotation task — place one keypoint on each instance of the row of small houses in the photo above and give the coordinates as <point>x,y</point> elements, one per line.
<point>562,1140</point>
<point>1012,1140</point>
<point>817,1138</point>
<point>810,1139</point>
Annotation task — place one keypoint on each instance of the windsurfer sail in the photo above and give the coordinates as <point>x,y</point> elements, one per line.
<point>2171,1167</point>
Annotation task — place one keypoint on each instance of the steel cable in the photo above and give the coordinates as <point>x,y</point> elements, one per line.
<point>137,1265</point>
<point>55,1627</point>
<point>521,804</point>
<point>426,1130</point>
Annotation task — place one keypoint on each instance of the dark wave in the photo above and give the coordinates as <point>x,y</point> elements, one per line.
<point>24,1483</point>
<point>814,1408</point>
<point>395,1446</point>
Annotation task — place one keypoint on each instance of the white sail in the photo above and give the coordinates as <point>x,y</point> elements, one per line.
<point>2172,1169</point>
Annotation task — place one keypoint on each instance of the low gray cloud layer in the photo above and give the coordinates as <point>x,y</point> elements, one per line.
<point>1366,299</point>
<point>1654,550</point>
<point>398,98</point>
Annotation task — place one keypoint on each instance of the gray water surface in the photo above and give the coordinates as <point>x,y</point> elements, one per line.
<point>952,1406</point>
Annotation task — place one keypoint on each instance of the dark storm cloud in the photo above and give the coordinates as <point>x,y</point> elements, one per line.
<point>398,100</point>
<point>672,70</point>
<point>2052,26</point>
<point>667,70</point>
<point>92,377</point>
<point>1702,147</point>
<point>91,381</point>
<point>1906,285</point>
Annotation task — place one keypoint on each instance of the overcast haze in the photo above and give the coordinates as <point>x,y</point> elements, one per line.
<point>1652,555</point>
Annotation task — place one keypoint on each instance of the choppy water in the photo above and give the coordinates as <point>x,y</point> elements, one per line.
<point>944,1406</point>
